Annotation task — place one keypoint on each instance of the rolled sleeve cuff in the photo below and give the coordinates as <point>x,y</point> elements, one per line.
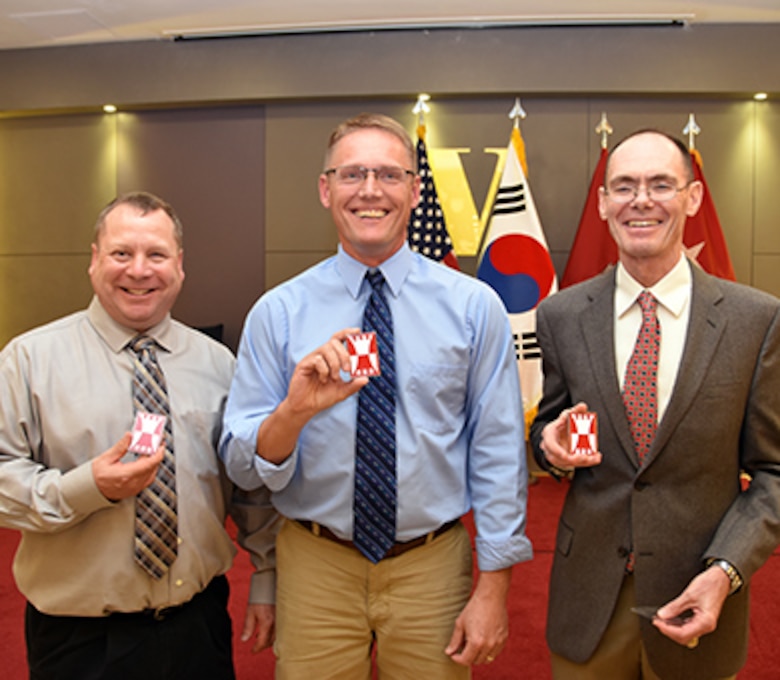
<point>496,555</point>
<point>262,587</point>
<point>80,491</point>
<point>248,470</point>
<point>274,476</point>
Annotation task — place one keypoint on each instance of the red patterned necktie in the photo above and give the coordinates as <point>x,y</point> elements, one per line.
<point>640,388</point>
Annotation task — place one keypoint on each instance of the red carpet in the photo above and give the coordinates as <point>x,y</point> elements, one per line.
<point>525,655</point>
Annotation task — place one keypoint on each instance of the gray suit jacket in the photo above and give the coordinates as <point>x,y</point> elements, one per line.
<point>685,504</point>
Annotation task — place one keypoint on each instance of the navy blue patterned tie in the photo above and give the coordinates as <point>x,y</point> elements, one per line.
<point>375,477</point>
<point>155,506</point>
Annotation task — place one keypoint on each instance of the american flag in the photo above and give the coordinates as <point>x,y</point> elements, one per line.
<point>427,231</point>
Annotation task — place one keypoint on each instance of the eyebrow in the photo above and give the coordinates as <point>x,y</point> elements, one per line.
<point>634,180</point>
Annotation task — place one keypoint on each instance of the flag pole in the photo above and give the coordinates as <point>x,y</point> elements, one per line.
<point>691,129</point>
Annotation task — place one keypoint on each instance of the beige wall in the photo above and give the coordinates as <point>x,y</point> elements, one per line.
<point>232,133</point>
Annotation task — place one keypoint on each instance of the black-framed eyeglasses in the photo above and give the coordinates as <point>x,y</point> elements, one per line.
<point>658,191</point>
<point>389,175</point>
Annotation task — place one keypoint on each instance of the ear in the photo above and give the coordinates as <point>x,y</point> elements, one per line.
<point>416,191</point>
<point>602,203</point>
<point>93,261</point>
<point>695,198</point>
<point>180,263</point>
<point>324,190</point>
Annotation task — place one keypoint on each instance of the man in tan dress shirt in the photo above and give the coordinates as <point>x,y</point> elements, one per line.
<point>68,483</point>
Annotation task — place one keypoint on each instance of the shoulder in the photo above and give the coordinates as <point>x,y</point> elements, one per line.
<point>199,347</point>
<point>439,277</point>
<point>58,333</point>
<point>578,296</point>
<point>733,298</point>
<point>312,280</point>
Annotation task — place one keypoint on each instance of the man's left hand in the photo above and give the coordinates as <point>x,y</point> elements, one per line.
<point>259,623</point>
<point>704,597</point>
<point>482,629</point>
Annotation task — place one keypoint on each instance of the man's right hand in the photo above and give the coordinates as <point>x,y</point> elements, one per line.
<point>117,480</point>
<point>316,385</point>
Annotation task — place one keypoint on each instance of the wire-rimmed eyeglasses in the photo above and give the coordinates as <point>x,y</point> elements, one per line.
<point>389,175</point>
<point>658,191</point>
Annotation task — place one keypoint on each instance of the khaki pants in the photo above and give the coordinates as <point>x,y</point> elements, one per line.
<point>334,606</point>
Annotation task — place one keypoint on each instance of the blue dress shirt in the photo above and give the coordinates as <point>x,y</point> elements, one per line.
<point>459,419</point>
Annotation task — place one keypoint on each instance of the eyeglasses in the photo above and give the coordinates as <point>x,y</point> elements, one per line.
<point>389,175</point>
<point>659,191</point>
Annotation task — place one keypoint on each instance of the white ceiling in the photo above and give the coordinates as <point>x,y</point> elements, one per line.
<point>41,23</point>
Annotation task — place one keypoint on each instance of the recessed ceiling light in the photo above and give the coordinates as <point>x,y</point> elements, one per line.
<point>760,96</point>
<point>109,108</point>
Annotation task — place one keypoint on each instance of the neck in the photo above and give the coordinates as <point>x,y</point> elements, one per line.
<point>648,271</point>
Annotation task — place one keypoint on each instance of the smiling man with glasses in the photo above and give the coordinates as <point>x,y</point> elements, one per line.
<point>682,370</point>
<point>373,473</point>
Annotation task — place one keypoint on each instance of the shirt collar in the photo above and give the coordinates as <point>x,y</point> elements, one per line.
<point>117,336</point>
<point>672,291</point>
<point>395,269</point>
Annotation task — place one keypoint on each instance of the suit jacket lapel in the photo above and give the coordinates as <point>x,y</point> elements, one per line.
<point>705,328</point>
<point>597,321</point>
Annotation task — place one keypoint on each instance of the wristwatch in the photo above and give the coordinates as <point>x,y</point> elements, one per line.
<point>731,571</point>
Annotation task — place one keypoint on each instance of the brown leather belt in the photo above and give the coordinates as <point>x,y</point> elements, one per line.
<point>396,550</point>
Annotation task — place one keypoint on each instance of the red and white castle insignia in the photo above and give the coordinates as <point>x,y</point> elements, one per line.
<point>363,354</point>
<point>583,433</point>
<point>147,433</point>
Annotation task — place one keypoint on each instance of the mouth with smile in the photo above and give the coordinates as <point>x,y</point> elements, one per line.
<point>642,224</point>
<point>138,292</point>
<point>371,214</point>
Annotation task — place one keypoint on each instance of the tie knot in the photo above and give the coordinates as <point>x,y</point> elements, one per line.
<point>375,278</point>
<point>140,343</point>
<point>647,302</point>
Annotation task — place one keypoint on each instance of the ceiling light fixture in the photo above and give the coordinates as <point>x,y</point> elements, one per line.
<point>476,22</point>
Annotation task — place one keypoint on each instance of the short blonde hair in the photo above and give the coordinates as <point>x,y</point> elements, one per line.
<point>369,121</point>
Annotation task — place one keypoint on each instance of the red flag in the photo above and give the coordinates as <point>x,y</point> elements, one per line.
<point>593,249</point>
<point>704,242</point>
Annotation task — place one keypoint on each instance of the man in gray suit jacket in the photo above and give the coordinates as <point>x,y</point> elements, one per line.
<point>677,531</point>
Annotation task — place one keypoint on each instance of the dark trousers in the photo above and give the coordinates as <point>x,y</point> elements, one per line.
<point>190,642</point>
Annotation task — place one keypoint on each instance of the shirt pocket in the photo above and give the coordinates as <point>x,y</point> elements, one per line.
<point>437,396</point>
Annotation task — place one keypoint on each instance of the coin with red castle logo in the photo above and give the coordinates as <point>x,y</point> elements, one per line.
<point>363,355</point>
<point>147,433</point>
<point>583,433</point>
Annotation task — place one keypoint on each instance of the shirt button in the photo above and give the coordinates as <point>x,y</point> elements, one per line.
<point>179,583</point>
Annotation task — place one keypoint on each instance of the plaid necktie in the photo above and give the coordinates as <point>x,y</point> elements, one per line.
<point>155,506</point>
<point>375,478</point>
<point>640,388</point>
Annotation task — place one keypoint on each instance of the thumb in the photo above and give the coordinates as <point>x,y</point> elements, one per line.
<point>457,640</point>
<point>249,628</point>
<point>119,449</point>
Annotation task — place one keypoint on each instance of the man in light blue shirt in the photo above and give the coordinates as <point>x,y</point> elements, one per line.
<point>290,425</point>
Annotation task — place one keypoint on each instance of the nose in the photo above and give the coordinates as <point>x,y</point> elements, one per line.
<point>370,184</point>
<point>643,191</point>
<point>139,266</point>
